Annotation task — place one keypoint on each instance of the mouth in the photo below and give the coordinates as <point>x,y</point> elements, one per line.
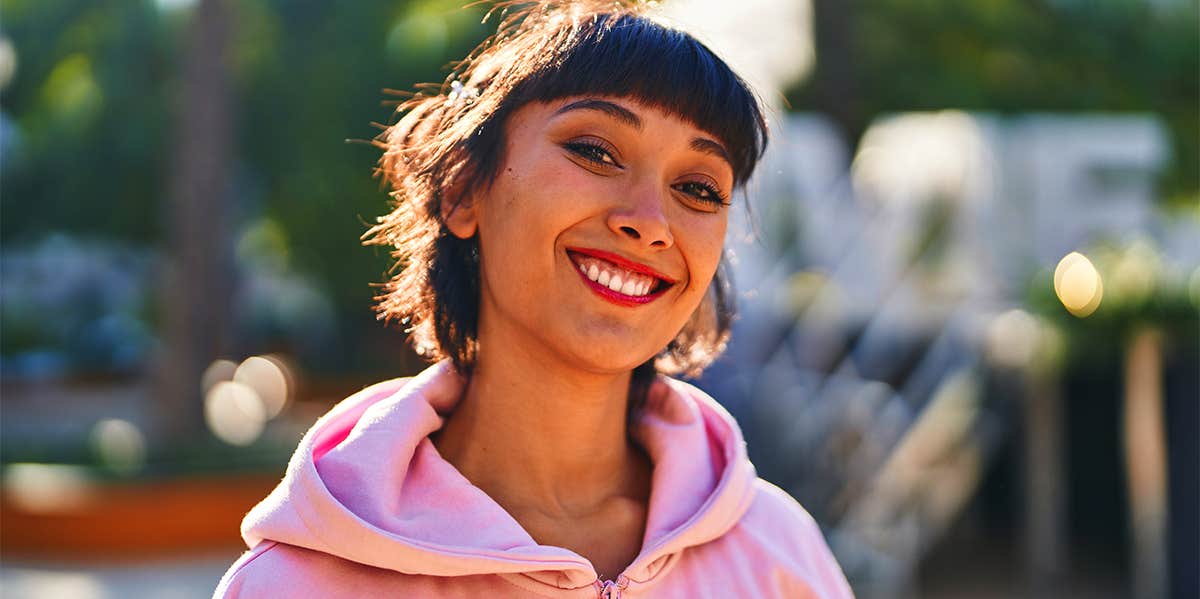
<point>618,280</point>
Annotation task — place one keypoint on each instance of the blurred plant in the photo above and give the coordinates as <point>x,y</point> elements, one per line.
<point>279,306</point>
<point>312,75</point>
<point>88,91</point>
<point>84,119</point>
<point>71,305</point>
<point>76,306</point>
<point>1140,289</point>
<point>1013,56</point>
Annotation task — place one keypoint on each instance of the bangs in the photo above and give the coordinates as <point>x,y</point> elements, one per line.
<point>632,56</point>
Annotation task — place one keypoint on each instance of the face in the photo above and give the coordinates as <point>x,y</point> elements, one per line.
<point>600,234</point>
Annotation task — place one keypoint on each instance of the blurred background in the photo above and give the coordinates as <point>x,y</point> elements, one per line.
<point>968,277</point>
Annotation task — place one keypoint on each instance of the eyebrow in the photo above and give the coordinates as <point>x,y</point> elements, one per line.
<point>699,144</point>
<point>614,110</point>
<point>708,146</point>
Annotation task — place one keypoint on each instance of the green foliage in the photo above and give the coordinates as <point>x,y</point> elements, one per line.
<point>94,105</point>
<point>1029,55</point>
<point>312,75</point>
<point>1138,292</point>
<point>90,115</point>
<point>89,103</point>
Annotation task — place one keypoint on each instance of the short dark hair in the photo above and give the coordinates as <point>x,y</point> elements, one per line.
<point>450,139</point>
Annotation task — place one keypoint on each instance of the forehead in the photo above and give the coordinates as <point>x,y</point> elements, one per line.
<point>626,110</point>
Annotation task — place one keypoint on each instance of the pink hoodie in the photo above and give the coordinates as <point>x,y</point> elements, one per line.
<point>368,508</point>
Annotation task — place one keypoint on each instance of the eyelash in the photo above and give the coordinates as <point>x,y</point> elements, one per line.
<point>715,196</point>
<point>588,150</point>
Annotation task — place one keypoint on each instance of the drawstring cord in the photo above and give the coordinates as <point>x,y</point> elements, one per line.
<point>609,589</point>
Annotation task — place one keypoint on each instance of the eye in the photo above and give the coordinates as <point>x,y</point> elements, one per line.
<point>703,192</point>
<point>593,150</point>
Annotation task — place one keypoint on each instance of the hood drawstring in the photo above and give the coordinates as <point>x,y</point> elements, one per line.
<point>610,589</point>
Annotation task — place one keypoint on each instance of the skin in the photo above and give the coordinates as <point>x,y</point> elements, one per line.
<point>541,427</point>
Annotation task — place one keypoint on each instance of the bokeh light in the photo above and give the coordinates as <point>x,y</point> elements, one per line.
<point>219,370</point>
<point>1013,338</point>
<point>269,377</point>
<point>47,488</point>
<point>8,62</point>
<point>119,444</point>
<point>234,412</point>
<point>1078,285</point>
<point>1194,288</point>
<point>916,158</point>
<point>174,5</point>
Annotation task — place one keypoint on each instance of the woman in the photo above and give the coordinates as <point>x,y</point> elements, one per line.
<point>559,215</point>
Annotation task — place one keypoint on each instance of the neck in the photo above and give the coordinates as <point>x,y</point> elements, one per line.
<point>535,435</point>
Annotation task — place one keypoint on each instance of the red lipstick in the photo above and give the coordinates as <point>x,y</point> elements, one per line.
<point>660,286</point>
<point>625,263</point>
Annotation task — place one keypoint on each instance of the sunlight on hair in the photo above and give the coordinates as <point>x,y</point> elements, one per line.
<point>234,412</point>
<point>268,377</point>
<point>119,444</point>
<point>1078,285</point>
<point>47,488</point>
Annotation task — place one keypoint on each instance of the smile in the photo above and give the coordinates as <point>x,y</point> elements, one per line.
<point>616,279</point>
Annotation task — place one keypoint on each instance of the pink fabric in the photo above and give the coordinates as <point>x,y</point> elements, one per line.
<point>368,508</point>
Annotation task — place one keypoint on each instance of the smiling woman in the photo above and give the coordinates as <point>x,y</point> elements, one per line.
<point>558,220</point>
<point>630,196</point>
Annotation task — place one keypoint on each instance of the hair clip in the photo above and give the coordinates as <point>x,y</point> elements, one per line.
<point>458,92</point>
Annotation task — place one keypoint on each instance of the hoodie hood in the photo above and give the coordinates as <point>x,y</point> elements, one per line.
<point>366,484</point>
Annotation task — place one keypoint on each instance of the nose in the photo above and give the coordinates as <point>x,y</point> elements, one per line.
<point>642,219</point>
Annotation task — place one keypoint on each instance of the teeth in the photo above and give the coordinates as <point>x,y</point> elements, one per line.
<point>615,283</point>
<point>616,279</point>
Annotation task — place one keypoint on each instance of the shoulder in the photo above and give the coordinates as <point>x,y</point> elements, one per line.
<point>779,517</point>
<point>234,582</point>
<point>788,537</point>
<point>274,569</point>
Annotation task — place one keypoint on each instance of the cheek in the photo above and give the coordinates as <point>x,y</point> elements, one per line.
<point>521,217</point>
<point>543,184</point>
<point>702,248</point>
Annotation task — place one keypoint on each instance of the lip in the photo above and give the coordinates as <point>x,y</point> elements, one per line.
<point>623,262</point>
<point>617,297</point>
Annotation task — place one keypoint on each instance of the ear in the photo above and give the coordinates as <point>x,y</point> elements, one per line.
<point>461,215</point>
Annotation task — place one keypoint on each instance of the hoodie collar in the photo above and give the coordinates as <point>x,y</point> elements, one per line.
<point>366,484</point>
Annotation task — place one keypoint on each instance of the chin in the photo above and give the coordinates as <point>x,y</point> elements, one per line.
<point>611,356</point>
